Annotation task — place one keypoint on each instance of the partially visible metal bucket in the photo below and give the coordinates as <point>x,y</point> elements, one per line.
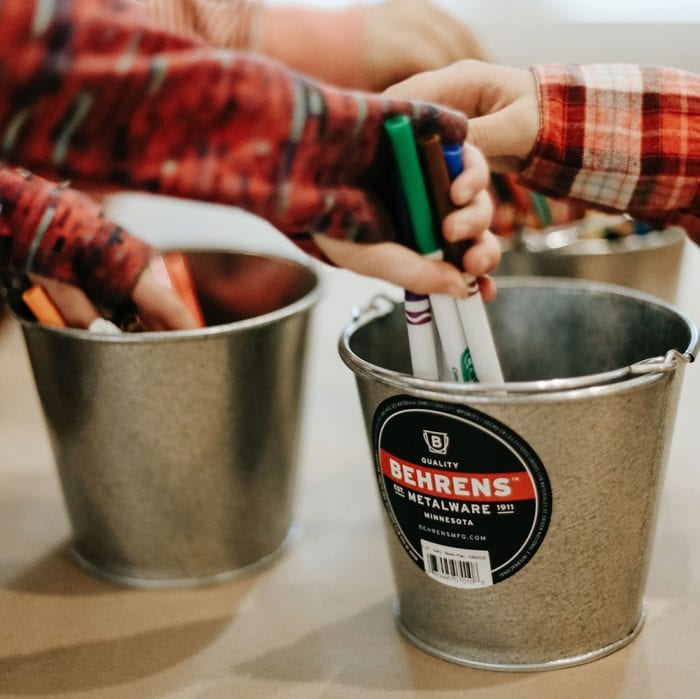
<point>176,450</point>
<point>520,523</point>
<point>650,263</point>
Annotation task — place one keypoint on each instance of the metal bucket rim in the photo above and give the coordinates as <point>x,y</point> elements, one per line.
<point>302,304</point>
<point>631,376</point>
<point>598,247</point>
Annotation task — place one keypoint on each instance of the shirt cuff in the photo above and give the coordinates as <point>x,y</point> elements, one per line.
<point>557,156</point>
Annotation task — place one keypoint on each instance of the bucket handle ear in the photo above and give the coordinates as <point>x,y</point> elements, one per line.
<point>379,305</point>
<point>667,362</point>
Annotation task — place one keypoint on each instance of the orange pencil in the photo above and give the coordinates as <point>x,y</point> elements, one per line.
<point>43,308</point>
<point>180,275</point>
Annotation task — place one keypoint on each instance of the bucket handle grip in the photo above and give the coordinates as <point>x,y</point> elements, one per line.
<point>667,362</point>
<point>379,305</point>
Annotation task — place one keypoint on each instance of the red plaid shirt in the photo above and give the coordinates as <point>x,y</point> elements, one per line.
<point>94,90</point>
<point>622,137</point>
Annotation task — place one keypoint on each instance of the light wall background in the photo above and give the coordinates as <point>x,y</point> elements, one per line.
<point>521,32</point>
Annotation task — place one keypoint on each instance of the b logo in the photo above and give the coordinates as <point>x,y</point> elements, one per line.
<point>437,441</point>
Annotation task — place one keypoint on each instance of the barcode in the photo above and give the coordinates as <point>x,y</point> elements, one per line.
<point>457,569</point>
<point>467,568</point>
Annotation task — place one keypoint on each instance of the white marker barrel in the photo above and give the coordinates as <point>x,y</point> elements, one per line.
<point>454,344</point>
<point>419,323</point>
<point>477,331</point>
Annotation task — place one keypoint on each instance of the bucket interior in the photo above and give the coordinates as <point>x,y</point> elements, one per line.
<point>235,286</point>
<point>230,286</point>
<point>544,332</point>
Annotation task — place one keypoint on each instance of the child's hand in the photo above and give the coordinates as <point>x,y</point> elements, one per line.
<point>501,103</point>
<point>406,268</point>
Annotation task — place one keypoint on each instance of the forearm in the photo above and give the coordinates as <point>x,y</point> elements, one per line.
<point>53,230</point>
<point>621,137</point>
<point>327,44</point>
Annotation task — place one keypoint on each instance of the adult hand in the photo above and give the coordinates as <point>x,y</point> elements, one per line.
<point>404,37</point>
<point>501,103</point>
<point>401,266</point>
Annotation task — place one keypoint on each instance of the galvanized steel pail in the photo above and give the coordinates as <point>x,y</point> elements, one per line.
<point>176,450</point>
<point>650,263</point>
<point>520,517</point>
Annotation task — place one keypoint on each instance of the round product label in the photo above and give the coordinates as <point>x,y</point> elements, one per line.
<point>468,497</point>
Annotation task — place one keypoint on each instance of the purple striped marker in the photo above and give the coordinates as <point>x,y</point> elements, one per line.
<point>421,339</point>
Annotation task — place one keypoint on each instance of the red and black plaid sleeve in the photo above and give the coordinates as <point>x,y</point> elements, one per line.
<point>94,90</point>
<point>53,230</point>
<point>622,137</point>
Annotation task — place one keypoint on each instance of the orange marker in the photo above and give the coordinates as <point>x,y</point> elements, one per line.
<point>180,275</point>
<point>75,307</point>
<point>42,306</point>
<point>519,193</point>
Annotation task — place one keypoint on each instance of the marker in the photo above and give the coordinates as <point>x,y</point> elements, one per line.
<point>454,344</point>
<point>180,275</point>
<point>421,339</point>
<point>518,192</point>
<point>419,316</point>
<point>475,322</point>
<point>443,164</point>
<point>43,308</point>
<point>542,209</point>
<point>66,306</point>
<point>437,182</point>
<point>641,228</point>
<point>500,187</point>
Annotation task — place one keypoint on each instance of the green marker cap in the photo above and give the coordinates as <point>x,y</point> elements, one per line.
<point>404,147</point>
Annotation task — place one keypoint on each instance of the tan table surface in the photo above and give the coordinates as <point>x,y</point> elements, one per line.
<point>318,622</point>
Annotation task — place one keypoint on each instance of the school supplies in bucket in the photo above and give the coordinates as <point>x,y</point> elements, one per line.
<point>540,236</point>
<point>462,326</point>
<point>649,262</point>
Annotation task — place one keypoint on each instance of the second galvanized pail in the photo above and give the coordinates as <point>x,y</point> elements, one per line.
<point>520,522</point>
<point>650,263</point>
<point>177,450</point>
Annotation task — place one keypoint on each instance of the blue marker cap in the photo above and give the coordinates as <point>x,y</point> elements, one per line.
<point>453,159</point>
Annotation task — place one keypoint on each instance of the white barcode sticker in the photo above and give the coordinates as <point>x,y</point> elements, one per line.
<point>467,568</point>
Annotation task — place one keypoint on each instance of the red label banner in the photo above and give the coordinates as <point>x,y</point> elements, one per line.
<point>457,485</point>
